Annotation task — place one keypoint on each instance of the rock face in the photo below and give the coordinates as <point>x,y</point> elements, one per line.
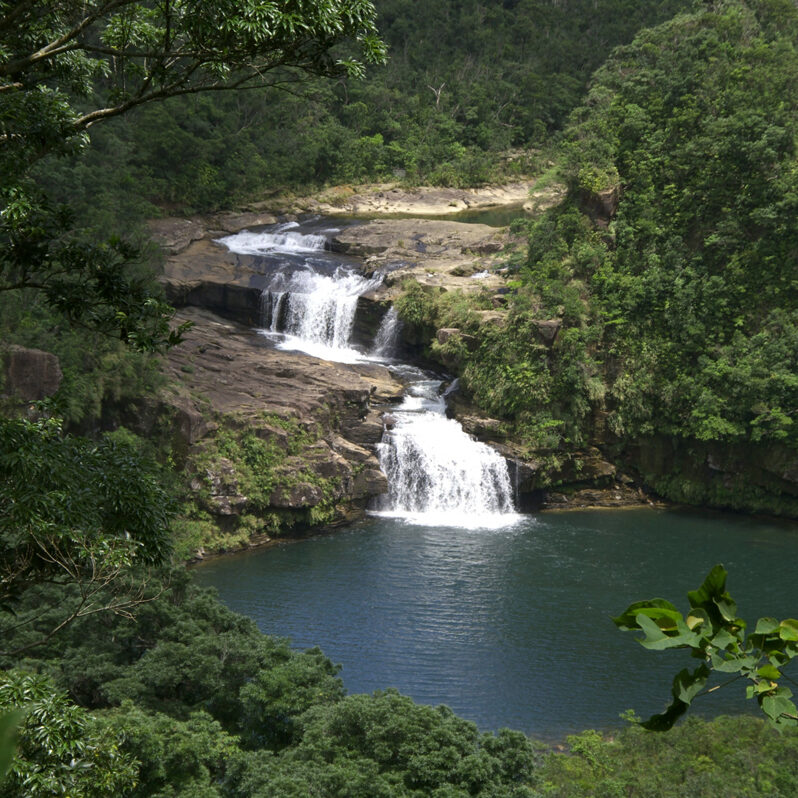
<point>438,253</point>
<point>387,198</point>
<point>176,234</point>
<point>317,422</point>
<point>730,476</point>
<point>30,374</point>
<point>207,275</point>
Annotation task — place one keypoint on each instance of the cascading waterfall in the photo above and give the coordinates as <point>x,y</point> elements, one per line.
<point>387,338</point>
<point>437,474</point>
<point>313,308</point>
<point>320,308</point>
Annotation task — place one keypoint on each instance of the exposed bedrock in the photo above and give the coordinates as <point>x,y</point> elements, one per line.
<point>28,374</point>
<point>275,436</point>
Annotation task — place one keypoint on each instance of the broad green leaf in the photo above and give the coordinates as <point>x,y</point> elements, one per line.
<point>653,632</point>
<point>8,728</point>
<point>711,589</point>
<point>664,618</point>
<point>723,639</point>
<point>769,672</point>
<point>687,685</point>
<point>765,626</point>
<point>627,621</point>
<point>696,618</point>
<point>788,629</point>
<point>665,720</point>
<point>732,664</point>
<point>775,706</point>
<point>727,607</point>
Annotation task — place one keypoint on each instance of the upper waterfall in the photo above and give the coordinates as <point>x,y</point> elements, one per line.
<point>316,312</point>
<point>280,238</point>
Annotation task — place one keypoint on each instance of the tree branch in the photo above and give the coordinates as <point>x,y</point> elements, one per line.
<point>55,47</point>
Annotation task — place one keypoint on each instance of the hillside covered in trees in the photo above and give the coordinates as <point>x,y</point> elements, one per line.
<point>669,270</point>
<point>671,266</point>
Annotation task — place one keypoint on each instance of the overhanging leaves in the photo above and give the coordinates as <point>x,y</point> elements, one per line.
<point>714,633</point>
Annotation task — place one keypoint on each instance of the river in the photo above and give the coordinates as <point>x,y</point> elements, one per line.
<point>447,593</point>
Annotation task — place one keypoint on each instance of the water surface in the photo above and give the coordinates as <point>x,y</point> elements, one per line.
<point>511,626</point>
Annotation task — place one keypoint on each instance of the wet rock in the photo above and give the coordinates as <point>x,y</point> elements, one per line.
<point>351,451</point>
<point>369,482</point>
<point>602,205</point>
<point>481,427</point>
<point>446,334</point>
<point>246,387</point>
<point>364,432</point>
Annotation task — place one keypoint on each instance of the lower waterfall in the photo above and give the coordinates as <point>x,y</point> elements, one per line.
<point>437,474</point>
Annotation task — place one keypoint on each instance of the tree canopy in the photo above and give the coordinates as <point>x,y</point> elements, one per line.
<point>66,66</point>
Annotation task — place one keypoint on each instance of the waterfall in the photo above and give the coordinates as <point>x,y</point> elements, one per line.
<point>314,311</point>
<point>437,474</point>
<point>387,338</point>
<point>280,238</point>
<point>272,306</point>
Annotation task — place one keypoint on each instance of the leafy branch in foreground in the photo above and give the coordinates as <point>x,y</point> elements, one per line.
<point>714,634</point>
<point>74,513</point>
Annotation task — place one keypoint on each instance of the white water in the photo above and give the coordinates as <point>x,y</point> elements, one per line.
<point>315,312</point>
<point>437,474</point>
<point>281,238</point>
<point>311,311</point>
<point>387,339</point>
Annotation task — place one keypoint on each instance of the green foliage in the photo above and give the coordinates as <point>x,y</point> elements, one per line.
<point>8,739</point>
<point>714,634</point>
<point>695,279</point>
<point>176,757</point>
<point>59,751</point>
<point>727,757</point>
<point>93,283</point>
<point>77,513</point>
<point>98,371</point>
<point>385,745</point>
<point>468,88</point>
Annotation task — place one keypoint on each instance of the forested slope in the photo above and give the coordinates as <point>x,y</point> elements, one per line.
<point>465,83</point>
<point>671,268</point>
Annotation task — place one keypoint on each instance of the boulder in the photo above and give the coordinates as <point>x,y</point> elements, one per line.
<point>294,497</point>
<point>31,374</point>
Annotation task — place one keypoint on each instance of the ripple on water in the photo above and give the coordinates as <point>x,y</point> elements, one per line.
<point>509,626</point>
